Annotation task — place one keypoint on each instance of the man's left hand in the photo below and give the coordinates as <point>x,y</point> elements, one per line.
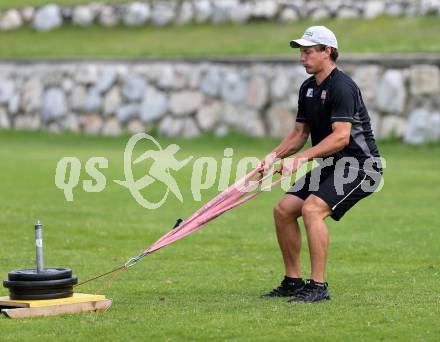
<point>291,165</point>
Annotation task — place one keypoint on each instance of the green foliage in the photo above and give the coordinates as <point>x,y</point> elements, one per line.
<point>383,270</point>
<point>381,35</point>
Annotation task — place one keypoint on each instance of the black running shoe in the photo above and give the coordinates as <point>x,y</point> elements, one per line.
<point>311,292</point>
<point>288,288</point>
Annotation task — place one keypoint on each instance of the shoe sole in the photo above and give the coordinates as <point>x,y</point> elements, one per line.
<point>303,302</point>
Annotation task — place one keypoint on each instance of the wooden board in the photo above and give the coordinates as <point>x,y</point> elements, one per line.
<point>53,310</point>
<point>76,298</point>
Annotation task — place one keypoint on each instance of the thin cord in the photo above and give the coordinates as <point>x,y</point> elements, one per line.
<point>101,275</point>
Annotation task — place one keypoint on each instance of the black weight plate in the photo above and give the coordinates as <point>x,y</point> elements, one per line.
<point>47,274</point>
<point>39,284</point>
<point>20,291</point>
<point>41,296</point>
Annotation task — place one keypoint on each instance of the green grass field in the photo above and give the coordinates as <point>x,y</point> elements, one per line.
<point>383,271</point>
<point>381,35</point>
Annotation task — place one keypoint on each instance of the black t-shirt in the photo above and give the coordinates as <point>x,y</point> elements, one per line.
<point>337,98</point>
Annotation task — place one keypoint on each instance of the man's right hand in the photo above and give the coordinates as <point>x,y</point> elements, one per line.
<point>267,162</point>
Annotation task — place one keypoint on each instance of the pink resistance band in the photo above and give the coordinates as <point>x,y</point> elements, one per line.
<point>235,195</point>
<point>238,193</point>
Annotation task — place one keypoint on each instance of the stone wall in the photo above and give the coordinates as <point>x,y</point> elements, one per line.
<point>256,97</point>
<point>181,12</point>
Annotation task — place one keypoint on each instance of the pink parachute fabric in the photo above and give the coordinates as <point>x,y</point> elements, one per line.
<point>237,194</point>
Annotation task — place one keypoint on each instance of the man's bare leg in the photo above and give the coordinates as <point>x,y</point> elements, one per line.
<point>286,214</point>
<point>314,211</point>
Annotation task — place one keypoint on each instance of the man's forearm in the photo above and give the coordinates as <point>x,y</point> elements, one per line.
<point>289,146</point>
<point>330,145</point>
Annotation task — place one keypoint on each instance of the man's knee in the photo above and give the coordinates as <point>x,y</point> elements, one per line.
<point>314,207</point>
<point>283,211</point>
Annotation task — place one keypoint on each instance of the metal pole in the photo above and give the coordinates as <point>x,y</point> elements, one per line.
<point>39,246</point>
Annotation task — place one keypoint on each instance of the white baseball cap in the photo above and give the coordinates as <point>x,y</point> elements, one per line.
<point>315,35</point>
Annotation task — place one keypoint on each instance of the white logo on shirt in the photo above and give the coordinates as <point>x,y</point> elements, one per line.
<point>309,92</point>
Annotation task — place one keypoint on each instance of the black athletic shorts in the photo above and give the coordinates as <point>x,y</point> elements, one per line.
<point>341,188</point>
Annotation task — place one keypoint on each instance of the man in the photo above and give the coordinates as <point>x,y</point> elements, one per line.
<point>331,110</point>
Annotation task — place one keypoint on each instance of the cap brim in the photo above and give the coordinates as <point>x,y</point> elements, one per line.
<point>296,43</point>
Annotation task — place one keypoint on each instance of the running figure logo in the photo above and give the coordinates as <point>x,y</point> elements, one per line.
<point>163,161</point>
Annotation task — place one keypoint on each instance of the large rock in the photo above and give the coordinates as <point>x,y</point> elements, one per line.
<point>163,13</point>
<point>106,79</point>
<point>209,115</point>
<point>111,127</point>
<point>418,128</point>
<point>154,105</point>
<point>391,92</point>
<point>53,78</point>
<point>134,88</point>
<point>392,126</point>
<point>170,127</point>
<point>7,89</point>
<point>93,101</point>
<point>257,92</point>
<point>346,12</point>
<point>210,81</point>
<point>31,96</point>
<point>280,121</point>
<point>250,123</point>
<point>220,11</point>
<point>78,98</point>
<point>320,13</point>
<point>127,112</point>
<point>137,13</point>
<point>86,74</point>
<point>375,122</point>
<point>299,75</point>
<point>266,9</point>
<point>10,20</point>
<point>230,114</point>
<point>93,124</point>
<point>186,13</point>
<point>27,14</point>
<point>71,123</point>
<point>189,128</point>
<point>14,104</point>
<point>394,9</point>
<point>425,80</point>
<point>112,101</point>
<point>54,104</point>
<point>202,10</point>
<point>240,12</point>
<point>292,101</point>
<point>233,88</point>
<point>280,85</point>
<point>185,102</point>
<point>47,18</point>
<point>367,78</point>
<point>221,131</point>
<point>245,120</point>
<point>181,76</point>
<point>435,126</point>
<point>289,15</point>
<point>67,84</point>
<point>373,9</point>
<point>5,123</point>
<point>27,122</point>
<point>135,126</point>
<point>108,16</point>
<point>82,16</point>
<point>168,77</point>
